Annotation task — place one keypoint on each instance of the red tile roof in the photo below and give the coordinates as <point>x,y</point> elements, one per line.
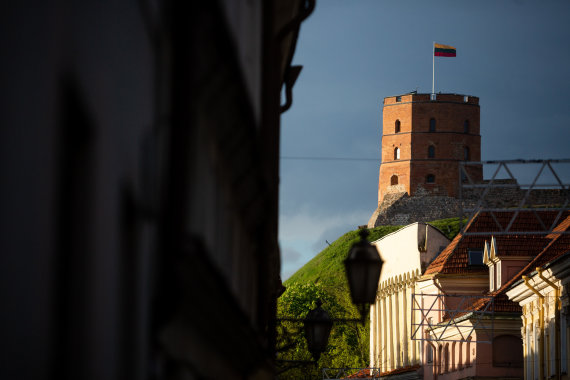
<point>558,246</point>
<point>454,258</point>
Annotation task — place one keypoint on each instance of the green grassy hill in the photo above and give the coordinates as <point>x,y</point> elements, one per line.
<point>323,277</point>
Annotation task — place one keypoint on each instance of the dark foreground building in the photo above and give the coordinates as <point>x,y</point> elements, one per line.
<point>139,166</point>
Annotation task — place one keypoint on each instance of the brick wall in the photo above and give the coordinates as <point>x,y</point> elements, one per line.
<point>412,114</point>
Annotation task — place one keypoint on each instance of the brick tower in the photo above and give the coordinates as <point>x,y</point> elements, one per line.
<point>423,141</point>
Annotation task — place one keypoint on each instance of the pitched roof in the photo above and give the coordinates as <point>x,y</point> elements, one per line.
<point>454,259</point>
<point>558,246</point>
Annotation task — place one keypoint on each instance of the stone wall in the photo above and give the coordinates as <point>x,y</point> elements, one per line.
<point>423,206</point>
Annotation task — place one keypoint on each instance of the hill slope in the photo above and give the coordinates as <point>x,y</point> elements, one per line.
<point>323,277</point>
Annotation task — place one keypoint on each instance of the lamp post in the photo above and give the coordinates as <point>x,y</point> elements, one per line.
<point>363,266</point>
<point>318,327</point>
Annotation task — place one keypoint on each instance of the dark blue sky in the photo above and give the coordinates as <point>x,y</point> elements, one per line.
<point>513,55</point>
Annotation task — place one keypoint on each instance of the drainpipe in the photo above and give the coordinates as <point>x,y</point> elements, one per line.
<point>541,325</point>
<point>556,318</point>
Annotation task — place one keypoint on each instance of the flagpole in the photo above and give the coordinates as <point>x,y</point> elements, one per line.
<point>433,69</point>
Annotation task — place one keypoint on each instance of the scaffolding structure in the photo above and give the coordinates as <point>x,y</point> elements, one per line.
<point>478,197</point>
<point>482,320</point>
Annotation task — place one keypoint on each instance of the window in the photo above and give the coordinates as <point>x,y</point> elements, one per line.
<point>563,348</point>
<point>397,126</point>
<point>440,362</point>
<point>528,354</point>
<point>394,180</point>
<point>446,358</point>
<point>432,125</point>
<point>429,353</point>
<point>465,99</point>
<point>466,153</point>
<point>398,99</point>
<point>430,178</point>
<point>535,350</point>
<point>396,153</point>
<point>468,353</point>
<point>466,126</point>
<point>552,344</point>
<point>453,351</point>
<point>431,151</point>
<point>475,257</point>
<point>507,351</point>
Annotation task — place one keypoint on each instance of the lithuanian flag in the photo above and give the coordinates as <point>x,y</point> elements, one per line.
<point>440,50</point>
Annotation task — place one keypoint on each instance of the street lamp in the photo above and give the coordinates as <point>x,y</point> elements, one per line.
<point>363,266</point>
<point>318,327</point>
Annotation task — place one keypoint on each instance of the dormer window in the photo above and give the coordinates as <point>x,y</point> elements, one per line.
<point>475,257</point>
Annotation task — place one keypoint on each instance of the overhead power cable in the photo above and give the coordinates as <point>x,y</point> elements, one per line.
<point>328,158</point>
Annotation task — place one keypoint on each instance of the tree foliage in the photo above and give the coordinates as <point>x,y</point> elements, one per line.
<point>323,278</point>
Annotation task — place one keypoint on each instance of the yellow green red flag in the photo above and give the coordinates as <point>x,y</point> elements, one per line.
<point>440,50</point>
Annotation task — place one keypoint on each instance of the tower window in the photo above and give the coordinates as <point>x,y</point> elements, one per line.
<point>466,153</point>
<point>432,125</point>
<point>398,98</point>
<point>466,126</point>
<point>431,151</point>
<point>396,153</point>
<point>397,126</point>
<point>394,180</point>
<point>430,178</point>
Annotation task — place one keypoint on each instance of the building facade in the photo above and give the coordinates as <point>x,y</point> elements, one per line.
<point>140,153</point>
<point>406,254</point>
<point>541,289</point>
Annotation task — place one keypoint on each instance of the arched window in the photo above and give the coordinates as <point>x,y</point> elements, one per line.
<point>466,126</point>
<point>466,155</point>
<point>430,352</point>
<point>446,358</point>
<point>430,178</point>
<point>440,359</point>
<point>507,351</point>
<point>431,151</point>
<point>468,353</point>
<point>396,153</point>
<point>453,356</point>
<point>397,126</point>
<point>432,125</point>
<point>394,180</point>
